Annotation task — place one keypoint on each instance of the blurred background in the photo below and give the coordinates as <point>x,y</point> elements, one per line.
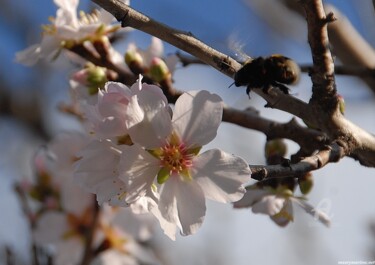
<point>29,118</point>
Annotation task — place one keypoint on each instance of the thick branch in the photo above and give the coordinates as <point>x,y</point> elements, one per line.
<point>348,45</point>
<point>331,154</point>
<point>322,74</point>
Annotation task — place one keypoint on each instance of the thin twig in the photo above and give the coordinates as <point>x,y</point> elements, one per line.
<point>123,76</point>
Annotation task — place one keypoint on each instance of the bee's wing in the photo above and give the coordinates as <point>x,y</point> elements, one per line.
<point>237,46</point>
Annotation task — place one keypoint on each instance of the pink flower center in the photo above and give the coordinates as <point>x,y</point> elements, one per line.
<point>176,158</point>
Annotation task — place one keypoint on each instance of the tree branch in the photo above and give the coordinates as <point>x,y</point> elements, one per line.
<point>308,139</point>
<point>322,74</point>
<point>332,153</point>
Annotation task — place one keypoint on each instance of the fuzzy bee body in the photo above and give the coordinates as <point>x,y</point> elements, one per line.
<point>275,70</point>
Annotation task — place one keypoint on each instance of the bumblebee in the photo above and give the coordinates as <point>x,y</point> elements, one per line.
<point>275,70</point>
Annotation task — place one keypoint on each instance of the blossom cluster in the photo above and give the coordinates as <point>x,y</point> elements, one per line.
<point>146,154</point>
<point>62,214</point>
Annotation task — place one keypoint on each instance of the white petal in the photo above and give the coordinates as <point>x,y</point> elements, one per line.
<point>316,213</point>
<point>50,227</point>
<point>64,148</point>
<point>67,13</point>
<point>49,47</point>
<point>29,56</point>
<point>148,119</point>
<point>69,252</point>
<point>171,61</point>
<point>251,196</point>
<point>114,257</point>
<point>197,116</point>
<point>221,175</point>
<point>140,226</point>
<point>66,4</point>
<point>144,255</point>
<point>151,97</point>
<point>113,100</point>
<point>169,228</point>
<point>156,49</point>
<point>153,130</point>
<point>97,170</point>
<point>183,203</point>
<point>74,199</point>
<point>138,170</point>
<point>270,205</point>
<point>148,205</point>
<point>285,215</point>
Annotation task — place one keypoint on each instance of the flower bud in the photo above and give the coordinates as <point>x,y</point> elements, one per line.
<point>159,71</point>
<point>92,76</point>
<point>135,61</point>
<point>306,183</point>
<point>274,151</point>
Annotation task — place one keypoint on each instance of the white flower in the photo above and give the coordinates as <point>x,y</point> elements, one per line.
<point>108,117</point>
<point>165,157</point>
<point>67,30</point>
<point>54,183</point>
<point>63,231</point>
<point>97,169</point>
<point>278,204</point>
<point>62,227</point>
<point>121,229</point>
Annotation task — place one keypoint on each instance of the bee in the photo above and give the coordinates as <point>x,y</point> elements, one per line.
<point>275,70</point>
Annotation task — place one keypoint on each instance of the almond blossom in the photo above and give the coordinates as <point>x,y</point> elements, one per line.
<point>107,118</point>
<point>66,30</point>
<point>65,226</point>
<point>165,165</point>
<point>97,169</point>
<point>278,204</point>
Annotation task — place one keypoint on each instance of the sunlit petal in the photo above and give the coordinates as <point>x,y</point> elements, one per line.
<point>197,116</point>
<point>138,170</point>
<point>221,175</point>
<point>183,203</point>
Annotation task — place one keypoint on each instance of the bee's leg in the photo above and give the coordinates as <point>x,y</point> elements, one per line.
<point>248,90</point>
<point>282,87</point>
<point>285,162</point>
<point>266,88</point>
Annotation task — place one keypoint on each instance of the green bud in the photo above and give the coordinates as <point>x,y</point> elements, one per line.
<point>159,71</point>
<point>134,60</point>
<point>275,147</point>
<point>306,183</point>
<point>96,78</point>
